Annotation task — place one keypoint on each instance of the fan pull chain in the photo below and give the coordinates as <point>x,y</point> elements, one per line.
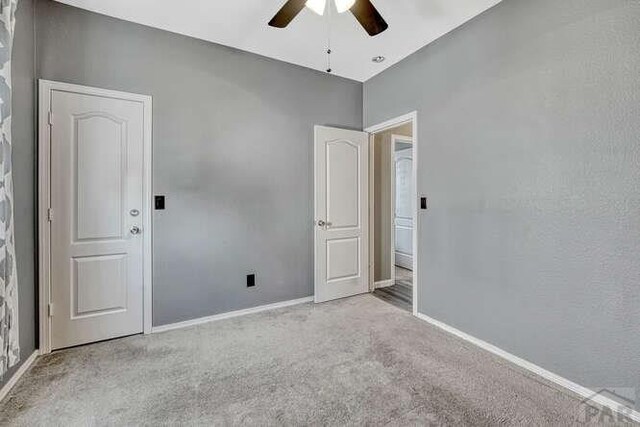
<point>329,70</point>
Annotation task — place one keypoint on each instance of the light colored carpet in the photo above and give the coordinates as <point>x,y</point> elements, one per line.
<point>353,361</point>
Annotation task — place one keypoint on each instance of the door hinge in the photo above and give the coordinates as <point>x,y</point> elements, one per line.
<point>50,214</point>
<point>50,118</point>
<point>50,310</point>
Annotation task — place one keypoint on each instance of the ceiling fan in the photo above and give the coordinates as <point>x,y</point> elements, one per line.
<point>366,14</point>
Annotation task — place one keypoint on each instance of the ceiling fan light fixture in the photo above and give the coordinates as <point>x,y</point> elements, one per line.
<point>365,13</point>
<point>344,5</point>
<point>317,6</point>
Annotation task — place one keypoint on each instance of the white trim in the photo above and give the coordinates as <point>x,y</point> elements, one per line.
<point>392,210</point>
<point>550,376</point>
<point>383,283</point>
<point>44,199</point>
<point>229,315</point>
<point>402,139</point>
<point>372,216</point>
<point>398,121</point>
<point>147,218</point>
<point>4,391</point>
<point>44,173</point>
<point>392,123</point>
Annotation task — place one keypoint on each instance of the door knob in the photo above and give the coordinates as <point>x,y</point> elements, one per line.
<point>135,230</point>
<point>322,223</point>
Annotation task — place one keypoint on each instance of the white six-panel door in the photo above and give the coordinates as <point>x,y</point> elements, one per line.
<point>403,218</point>
<point>341,213</point>
<point>96,192</point>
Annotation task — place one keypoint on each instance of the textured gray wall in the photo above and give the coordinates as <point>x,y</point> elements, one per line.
<point>233,138</point>
<point>529,146</point>
<point>24,158</point>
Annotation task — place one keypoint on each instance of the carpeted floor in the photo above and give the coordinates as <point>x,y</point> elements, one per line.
<point>353,361</point>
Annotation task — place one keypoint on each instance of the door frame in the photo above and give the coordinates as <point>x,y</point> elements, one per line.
<point>395,139</point>
<point>45,118</point>
<point>412,118</point>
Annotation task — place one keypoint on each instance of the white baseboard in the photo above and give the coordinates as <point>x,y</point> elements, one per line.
<point>584,392</point>
<point>229,315</point>
<point>383,283</point>
<point>4,391</point>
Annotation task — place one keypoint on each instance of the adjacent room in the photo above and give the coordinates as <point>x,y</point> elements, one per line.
<point>319,212</point>
<point>392,182</point>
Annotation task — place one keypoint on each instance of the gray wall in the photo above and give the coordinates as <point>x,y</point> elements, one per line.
<point>529,150</point>
<point>233,136</point>
<point>23,69</point>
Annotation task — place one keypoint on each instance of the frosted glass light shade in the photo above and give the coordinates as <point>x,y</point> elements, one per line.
<point>317,6</point>
<point>344,5</point>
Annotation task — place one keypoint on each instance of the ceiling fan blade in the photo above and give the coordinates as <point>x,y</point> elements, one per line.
<point>369,17</point>
<point>286,14</point>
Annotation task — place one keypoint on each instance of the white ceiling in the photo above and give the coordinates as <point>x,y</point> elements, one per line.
<point>243,24</point>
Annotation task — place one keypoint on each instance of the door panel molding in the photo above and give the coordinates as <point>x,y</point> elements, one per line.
<point>45,119</point>
<point>336,218</point>
<point>85,225</point>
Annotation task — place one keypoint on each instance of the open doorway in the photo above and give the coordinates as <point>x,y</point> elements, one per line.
<point>393,212</point>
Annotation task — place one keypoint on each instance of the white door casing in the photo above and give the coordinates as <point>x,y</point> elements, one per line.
<point>403,207</point>
<point>341,213</point>
<point>99,215</point>
<point>412,118</point>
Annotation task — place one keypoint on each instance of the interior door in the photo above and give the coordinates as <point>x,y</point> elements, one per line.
<point>341,213</point>
<point>96,200</point>
<point>403,222</point>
